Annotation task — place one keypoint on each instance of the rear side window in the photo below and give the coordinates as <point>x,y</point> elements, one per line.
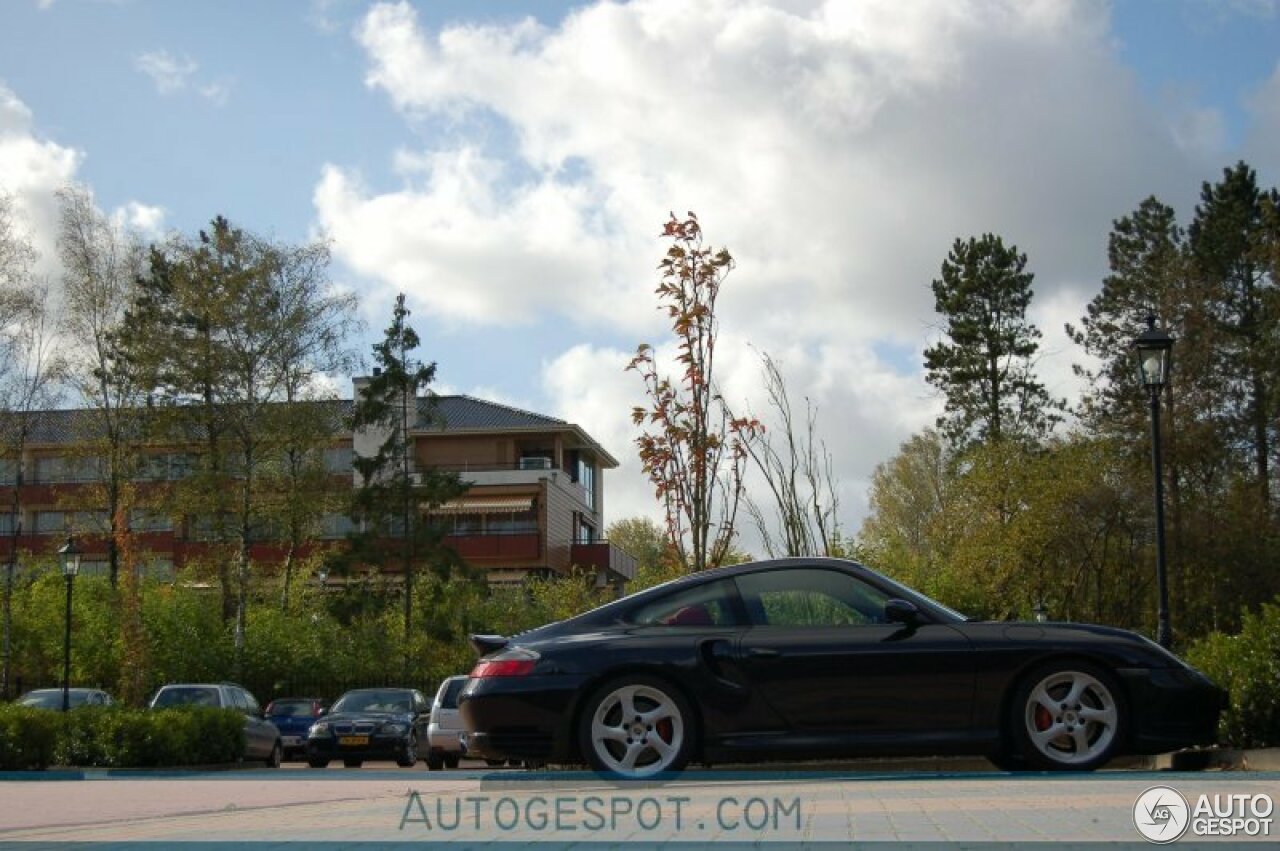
<point>703,605</point>
<point>449,697</point>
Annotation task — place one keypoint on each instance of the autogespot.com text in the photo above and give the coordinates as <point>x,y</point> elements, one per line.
<point>616,814</point>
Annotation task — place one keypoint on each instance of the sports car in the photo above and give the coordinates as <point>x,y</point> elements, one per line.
<point>818,658</point>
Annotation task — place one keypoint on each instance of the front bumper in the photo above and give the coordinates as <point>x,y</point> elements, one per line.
<point>1172,708</point>
<point>525,718</point>
<point>377,747</point>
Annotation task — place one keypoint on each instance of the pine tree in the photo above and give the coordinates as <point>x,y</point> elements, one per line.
<point>985,370</point>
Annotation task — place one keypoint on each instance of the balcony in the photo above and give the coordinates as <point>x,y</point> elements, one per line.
<point>604,556</point>
<point>525,472</point>
<point>519,546</point>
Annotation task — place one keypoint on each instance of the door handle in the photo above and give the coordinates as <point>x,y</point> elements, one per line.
<point>762,653</point>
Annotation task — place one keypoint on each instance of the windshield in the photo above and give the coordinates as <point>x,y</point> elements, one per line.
<point>375,701</point>
<point>52,698</point>
<point>292,708</point>
<point>186,696</point>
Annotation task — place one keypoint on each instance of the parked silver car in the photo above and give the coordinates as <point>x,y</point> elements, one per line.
<point>261,737</point>
<point>444,738</point>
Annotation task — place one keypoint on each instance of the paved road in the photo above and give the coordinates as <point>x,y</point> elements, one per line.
<point>380,803</point>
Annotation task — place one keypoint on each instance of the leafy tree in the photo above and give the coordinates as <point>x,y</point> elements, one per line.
<point>223,325</point>
<point>392,489</point>
<point>1232,241</point>
<point>986,370</point>
<point>696,450</point>
<point>30,368</point>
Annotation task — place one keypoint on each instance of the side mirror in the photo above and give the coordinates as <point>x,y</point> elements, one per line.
<point>901,611</point>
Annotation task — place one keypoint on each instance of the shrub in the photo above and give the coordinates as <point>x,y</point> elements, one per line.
<point>1248,666</point>
<point>119,737</point>
<point>28,737</point>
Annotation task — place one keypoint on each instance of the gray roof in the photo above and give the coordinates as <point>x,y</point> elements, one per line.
<point>449,413</point>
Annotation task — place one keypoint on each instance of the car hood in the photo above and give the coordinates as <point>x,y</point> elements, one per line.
<point>375,717</point>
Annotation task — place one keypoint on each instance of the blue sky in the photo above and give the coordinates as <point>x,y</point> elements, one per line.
<point>509,166</point>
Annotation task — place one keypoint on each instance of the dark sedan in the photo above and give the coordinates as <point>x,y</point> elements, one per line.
<point>822,658</point>
<point>370,723</point>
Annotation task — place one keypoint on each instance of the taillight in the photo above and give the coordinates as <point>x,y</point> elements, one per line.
<point>516,662</point>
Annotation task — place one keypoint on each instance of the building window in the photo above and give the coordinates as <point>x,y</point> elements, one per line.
<point>67,522</point>
<point>6,524</point>
<point>143,520</point>
<point>585,532</point>
<point>337,459</point>
<point>8,471</point>
<point>59,468</point>
<point>586,474</point>
<point>333,526</point>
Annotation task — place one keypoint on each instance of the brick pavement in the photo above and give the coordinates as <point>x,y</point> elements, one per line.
<point>470,808</point>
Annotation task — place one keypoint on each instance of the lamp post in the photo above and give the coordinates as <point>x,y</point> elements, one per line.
<point>69,555</point>
<point>1152,347</point>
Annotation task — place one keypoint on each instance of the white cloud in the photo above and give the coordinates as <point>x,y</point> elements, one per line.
<point>169,73</point>
<point>31,170</point>
<point>145,219</point>
<point>836,148</point>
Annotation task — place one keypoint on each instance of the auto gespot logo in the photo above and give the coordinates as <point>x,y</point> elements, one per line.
<point>1162,815</point>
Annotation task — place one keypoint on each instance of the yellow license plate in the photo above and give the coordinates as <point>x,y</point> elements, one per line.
<point>353,740</point>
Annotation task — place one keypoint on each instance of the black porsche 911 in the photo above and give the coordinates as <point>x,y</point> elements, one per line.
<point>819,658</point>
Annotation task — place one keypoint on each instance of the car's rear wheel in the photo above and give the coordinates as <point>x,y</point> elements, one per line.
<point>1068,716</point>
<point>353,763</point>
<point>637,726</point>
<point>409,755</point>
<point>451,760</point>
<point>435,761</point>
<point>277,755</point>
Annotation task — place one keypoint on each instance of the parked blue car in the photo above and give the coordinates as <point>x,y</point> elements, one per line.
<point>294,717</point>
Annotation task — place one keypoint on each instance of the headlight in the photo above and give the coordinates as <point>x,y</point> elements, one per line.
<point>395,728</point>
<point>320,728</point>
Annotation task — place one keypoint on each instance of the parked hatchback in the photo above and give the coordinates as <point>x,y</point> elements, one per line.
<point>444,732</point>
<point>261,738</point>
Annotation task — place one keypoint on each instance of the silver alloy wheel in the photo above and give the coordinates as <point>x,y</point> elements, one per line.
<point>637,731</point>
<point>1071,718</point>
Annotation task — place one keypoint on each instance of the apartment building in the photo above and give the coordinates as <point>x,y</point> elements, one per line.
<point>535,503</point>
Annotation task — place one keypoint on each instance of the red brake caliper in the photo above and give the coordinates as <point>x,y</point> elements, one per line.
<point>1043,719</point>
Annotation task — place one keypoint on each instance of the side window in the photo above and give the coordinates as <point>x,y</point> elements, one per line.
<point>251,703</point>
<point>237,699</point>
<point>703,605</point>
<point>810,597</point>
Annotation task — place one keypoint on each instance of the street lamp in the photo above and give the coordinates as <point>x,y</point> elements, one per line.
<point>1152,347</point>
<point>69,555</point>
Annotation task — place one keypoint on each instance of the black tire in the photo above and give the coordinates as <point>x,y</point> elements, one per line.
<point>316,762</point>
<point>277,755</point>
<point>637,726</point>
<point>435,761</point>
<point>353,763</point>
<point>409,756</point>
<point>495,763</point>
<point>451,760</point>
<point>1007,761</point>
<point>1067,716</point>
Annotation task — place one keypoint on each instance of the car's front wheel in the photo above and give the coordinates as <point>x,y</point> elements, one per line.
<point>318,763</point>
<point>1068,716</point>
<point>409,755</point>
<point>353,763</point>
<point>637,726</point>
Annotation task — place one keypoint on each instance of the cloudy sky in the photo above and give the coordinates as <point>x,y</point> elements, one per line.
<point>509,165</point>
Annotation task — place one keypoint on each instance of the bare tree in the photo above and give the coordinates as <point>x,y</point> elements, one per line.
<point>800,519</point>
<point>101,264</point>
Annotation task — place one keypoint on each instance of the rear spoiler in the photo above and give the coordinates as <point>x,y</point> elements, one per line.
<point>486,644</point>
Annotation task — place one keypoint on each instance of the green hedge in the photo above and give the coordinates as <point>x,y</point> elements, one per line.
<point>1248,666</point>
<point>119,737</point>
